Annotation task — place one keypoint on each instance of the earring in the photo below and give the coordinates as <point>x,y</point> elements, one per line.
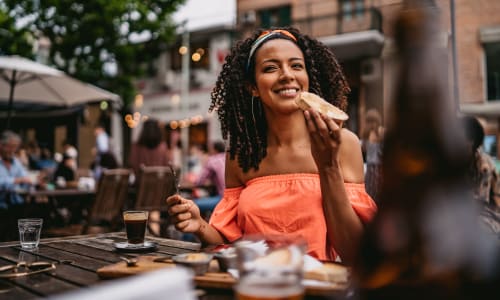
<point>253,115</point>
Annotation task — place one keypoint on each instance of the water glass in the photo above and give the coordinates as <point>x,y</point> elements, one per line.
<point>29,232</point>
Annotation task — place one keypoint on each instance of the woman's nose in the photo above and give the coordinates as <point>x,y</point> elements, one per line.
<point>286,73</point>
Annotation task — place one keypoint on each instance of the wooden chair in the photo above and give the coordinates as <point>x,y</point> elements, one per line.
<point>106,211</point>
<point>155,184</point>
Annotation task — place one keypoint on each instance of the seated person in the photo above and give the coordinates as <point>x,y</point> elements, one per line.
<point>12,173</point>
<point>66,170</point>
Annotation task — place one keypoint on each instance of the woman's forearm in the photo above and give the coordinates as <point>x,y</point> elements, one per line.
<point>344,228</point>
<point>208,234</point>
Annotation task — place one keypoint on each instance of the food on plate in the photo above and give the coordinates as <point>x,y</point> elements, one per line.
<point>329,272</point>
<point>312,101</point>
<point>199,262</point>
<point>194,257</point>
<point>278,257</point>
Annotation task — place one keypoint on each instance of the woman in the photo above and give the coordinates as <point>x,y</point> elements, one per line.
<point>150,149</point>
<point>372,140</point>
<point>287,171</point>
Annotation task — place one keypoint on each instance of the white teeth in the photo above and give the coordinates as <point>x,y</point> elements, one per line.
<point>288,92</point>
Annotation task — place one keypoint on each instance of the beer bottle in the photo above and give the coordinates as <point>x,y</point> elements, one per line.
<point>424,242</point>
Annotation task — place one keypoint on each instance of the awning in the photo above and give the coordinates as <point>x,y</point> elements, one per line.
<point>355,45</point>
<point>490,109</point>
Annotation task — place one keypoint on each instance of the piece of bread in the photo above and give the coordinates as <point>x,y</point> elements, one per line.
<point>312,101</point>
<point>279,257</point>
<point>329,272</point>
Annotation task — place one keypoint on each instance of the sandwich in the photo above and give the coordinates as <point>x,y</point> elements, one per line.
<point>308,101</point>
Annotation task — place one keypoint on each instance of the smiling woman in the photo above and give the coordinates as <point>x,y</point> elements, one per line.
<point>285,167</point>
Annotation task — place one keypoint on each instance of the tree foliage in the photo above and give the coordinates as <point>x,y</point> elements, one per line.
<point>104,42</point>
<point>14,41</point>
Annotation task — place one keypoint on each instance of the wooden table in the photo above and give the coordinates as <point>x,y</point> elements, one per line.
<point>77,260</point>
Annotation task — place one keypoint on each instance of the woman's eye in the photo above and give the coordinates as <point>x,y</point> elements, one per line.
<point>269,68</point>
<point>297,66</point>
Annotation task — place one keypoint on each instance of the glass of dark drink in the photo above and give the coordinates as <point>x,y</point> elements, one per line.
<point>136,222</point>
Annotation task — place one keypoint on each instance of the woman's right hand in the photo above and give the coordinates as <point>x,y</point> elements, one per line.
<point>185,214</point>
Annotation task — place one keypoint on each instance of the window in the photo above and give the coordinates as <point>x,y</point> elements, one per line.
<point>492,57</point>
<point>490,145</point>
<point>351,7</point>
<point>279,16</point>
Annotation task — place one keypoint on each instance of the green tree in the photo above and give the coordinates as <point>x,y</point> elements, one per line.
<point>104,42</point>
<point>14,40</point>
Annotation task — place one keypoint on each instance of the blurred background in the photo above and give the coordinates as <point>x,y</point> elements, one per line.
<point>162,59</point>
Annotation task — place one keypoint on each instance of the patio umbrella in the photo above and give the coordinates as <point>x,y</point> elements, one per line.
<point>25,81</point>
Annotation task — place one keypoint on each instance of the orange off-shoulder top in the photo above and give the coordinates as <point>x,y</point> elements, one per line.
<point>285,203</point>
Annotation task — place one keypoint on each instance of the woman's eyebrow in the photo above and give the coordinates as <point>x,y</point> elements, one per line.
<point>278,60</point>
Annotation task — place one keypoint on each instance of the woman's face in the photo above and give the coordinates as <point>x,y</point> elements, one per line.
<point>280,75</point>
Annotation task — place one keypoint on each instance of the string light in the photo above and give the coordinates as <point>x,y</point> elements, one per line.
<point>134,120</point>
<point>183,50</point>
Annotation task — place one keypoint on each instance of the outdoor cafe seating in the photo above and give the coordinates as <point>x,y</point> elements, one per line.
<point>104,214</point>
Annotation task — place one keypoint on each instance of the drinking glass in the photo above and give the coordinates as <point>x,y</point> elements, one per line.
<point>29,232</point>
<point>136,222</point>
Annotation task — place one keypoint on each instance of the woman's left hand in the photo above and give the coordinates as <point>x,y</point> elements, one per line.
<point>325,136</point>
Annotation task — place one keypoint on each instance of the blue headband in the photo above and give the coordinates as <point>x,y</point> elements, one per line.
<point>264,37</point>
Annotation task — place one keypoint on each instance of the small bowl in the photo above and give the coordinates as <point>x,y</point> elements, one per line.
<point>226,259</point>
<point>198,262</point>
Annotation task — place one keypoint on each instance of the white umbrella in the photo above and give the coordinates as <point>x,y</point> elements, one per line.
<point>26,81</point>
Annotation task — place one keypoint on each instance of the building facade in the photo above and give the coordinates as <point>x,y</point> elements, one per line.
<point>360,33</point>
<point>179,94</point>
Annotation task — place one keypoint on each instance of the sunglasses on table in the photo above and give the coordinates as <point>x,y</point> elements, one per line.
<point>23,268</point>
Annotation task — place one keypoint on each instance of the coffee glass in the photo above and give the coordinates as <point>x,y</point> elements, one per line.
<point>136,222</point>
<point>29,232</point>
<point>270,267</point>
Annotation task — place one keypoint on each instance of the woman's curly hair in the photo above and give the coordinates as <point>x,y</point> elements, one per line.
<point>242,118</point>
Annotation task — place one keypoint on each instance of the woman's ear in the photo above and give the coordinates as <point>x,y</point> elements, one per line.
<point>252,89</point>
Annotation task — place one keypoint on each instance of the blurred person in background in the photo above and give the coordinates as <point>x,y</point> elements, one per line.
<point>106,161</point>
<point>195,161</point>
<point>371,142</point>
<point>101,140</point>
<point>104,158</point>
<point>213,169</point>
<point>150,149</point>
<point>484,176</point>
<point>65,173</point>
<point>212,172</point>
<point>13,175</point>
<point>70,150</point>
<point>22,155</point>
<point>176,154</point>
<point>33,151</point>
